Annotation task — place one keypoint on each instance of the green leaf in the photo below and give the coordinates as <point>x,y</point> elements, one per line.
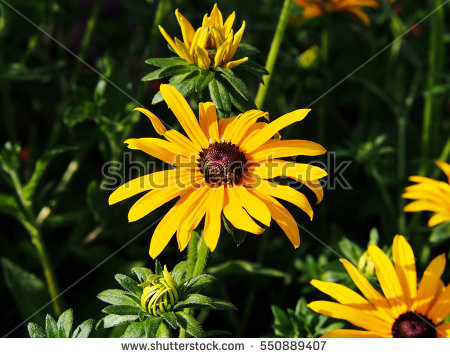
<point>9,206</point>
<point>189,324</point>
<point>158,268</point>
<point>51,327</point>
<point>142,273</point>
<point>117,297</point>
<point>219,95</point>
<point>244,267</point>
<point>152,326</point>
<point>170,318</point>
<point>36,331</point>
<point>64,324</point>
<point>185,84</point>
<point>122,310</point>
<point>235,82</point>
<point>203,80</point>
<point>112,320</point>
<point>244,50</point>
<point>440,233</point>
<point>350,250</point>
<point>169,72</point>
<point>196,284</point>
<point>254,69</point>
<point>28,290</point>
<point>200,301</point>
<point>242,104</point>
<point>166,62</point>
<point>129,284</point>
<point>163,330</point>
<point>134,330</point>
<point>84,329</point>
<point>179,271</point>
<point>153,75</point>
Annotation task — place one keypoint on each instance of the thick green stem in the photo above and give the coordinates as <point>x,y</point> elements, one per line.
<point>273,53</point>
<point>432,112</point>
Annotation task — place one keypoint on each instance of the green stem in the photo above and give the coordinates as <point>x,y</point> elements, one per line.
<point>401,168</point>
<point>432,113</point>
<point>192,255</point>
<point>273,52</point>
<point>202,257</point>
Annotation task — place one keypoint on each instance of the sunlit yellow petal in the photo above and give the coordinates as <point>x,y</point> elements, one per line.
<point>441,308</point>
<point>254,206</point>
<point>213,219</point>
<point>187,30</point>
<point>286,148</point>
<point>405,267</point>
<point>208,120</point>
<point>156,122</point>
<point>443,331</point>
<point>353,333</point>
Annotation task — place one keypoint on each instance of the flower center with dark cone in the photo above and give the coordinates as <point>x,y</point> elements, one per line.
<point>222,163</point>
<point>413,325</point>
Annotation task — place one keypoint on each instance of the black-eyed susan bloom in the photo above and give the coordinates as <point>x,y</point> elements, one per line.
<point>403,310</point>
<point>211,45</point>
<point>318,8</point>
<point>430,195</point>
<point>221,166</point>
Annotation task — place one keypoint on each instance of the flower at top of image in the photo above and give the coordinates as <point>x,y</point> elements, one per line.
<point>430,195</point>
<point>317,8</point>
<point>221,166</point>
<point>211,45</point>
<point>403,310</point>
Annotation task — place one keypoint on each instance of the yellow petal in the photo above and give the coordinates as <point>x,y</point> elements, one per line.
<point>233,64</point>
<point>236,40</point>
<point>269,131</point>
<point>208,120</point>
<point>203,59</point>
<point>444,167</point>
<point>228,25</point>
<point>156,122</point>
<point>158,148</point>
<point>237,216</point>
<point>184,50</point>
<point>185,144</point>
<point>285,192</point>
<point>438,219</point>
<point>224,123</point>
<point>297,171</point>
<point>441,308</point>
<point>422,205</point>
<point>359,318</point>
<point>213,217</point>
<point>187,30</point>
<point>171,42</point>
<point>443,331</point>
<point>216,16</point>
<point>429,284</point>
<point>246,120</point>
<point>387,277</point>
<point>219,56</point>
<point>254,206</point>
<point>286,148</point>
<point>316,187</point>
<point>282,217</point>
<point>360,14</point>
<point>352,333</point>
<point>185,116</point>
<point>405,267</point>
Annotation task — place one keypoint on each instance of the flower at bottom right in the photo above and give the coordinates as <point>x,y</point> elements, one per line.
<point>404,310</point>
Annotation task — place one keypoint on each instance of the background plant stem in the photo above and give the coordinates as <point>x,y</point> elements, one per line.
<point>273,53</point>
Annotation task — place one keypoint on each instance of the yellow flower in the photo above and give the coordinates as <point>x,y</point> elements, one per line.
<point>403,311</point>
<point>430,195</point>
<point>317,8</point>
<point>221,166</point>
<point>213,44</point>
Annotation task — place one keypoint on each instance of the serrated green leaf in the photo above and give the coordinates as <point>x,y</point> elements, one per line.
<point>179,271</point>
<point>153,75</point>
<point>122,310</point>
<point>203,302</point>
<point>166,62</point>
<point>158,268</point>
<point>129,284</point>
<point>244,50</point>
<point>51,327</point>
<point>142,273</point>
<point>242,104</point>
<point>112,320</point>
<point>235,82</point>
<point>219,95</point>
<point>254,69</point>
<point>169,72</point>
<point>135,330</point>
<point>203,80</point>
<point>189,324</point>
<point>196,284</point>
<point>170,318</point>
<point>36,331</point>
<point>185,84</point>
<point>64,324</point>
<point>84,329</point>
<point>151,326</point>
<point>117,297</point>
<point>163,330</point>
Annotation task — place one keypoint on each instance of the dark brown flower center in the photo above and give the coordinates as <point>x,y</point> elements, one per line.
<point>222,163</point>
<point>413,325</point>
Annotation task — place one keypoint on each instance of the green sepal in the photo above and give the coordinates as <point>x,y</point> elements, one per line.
<point>117,297</point>
<point>189,324</point>
<point>196,284</point>
<point>179,272</point>
<point>158,268</point>
<point>142,273</point>
<point>170,318</point>
<point>123,310</point>
<point>234,81</point>
<point>151,326</point>
<point>185,84</point>
<point>129,284</point>
<point>203,302</point>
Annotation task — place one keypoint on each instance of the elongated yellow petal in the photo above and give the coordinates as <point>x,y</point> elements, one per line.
<point>236,40</point>
<point>443,331</point>
<point>220,54</point>
<point>185,144</point>
<point>405,267</point>
<point>353,333</point>
<point>387,277</point>
<point>187,30</point>
<point>254,206</point>
<point>185,116</point>
<point>156,122</point>
<point>203,59</point>
<point>171,42</point>
<point>422,205</point>
<point>297,171</point>
<point>282,217</point>
<point>269,131</point>
<point>287,193</point>
<point>228,25</point>
<point>429,284</point>
<point>184,50</point>
<point>438,219</point>
<point>441,308</point>
<point>213,217</point>
<point>361,318</point>
<point>246,120</point>
<point>233,64</point>
<point>316,187</point>
<point>237,216</point>
<point>208,120</point>
<point>445,167</point>
<point>224,123</point>
<point>286,148</point>
<point>158,148</point>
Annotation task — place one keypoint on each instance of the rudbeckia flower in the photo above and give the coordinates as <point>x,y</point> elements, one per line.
<point>430,195</point>
<point>317,8</point>
<point>402,311</point>
<point>213,44</point>
<point>221,166</point>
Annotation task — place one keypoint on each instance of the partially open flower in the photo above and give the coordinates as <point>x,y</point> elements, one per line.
<point>211,45</point>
